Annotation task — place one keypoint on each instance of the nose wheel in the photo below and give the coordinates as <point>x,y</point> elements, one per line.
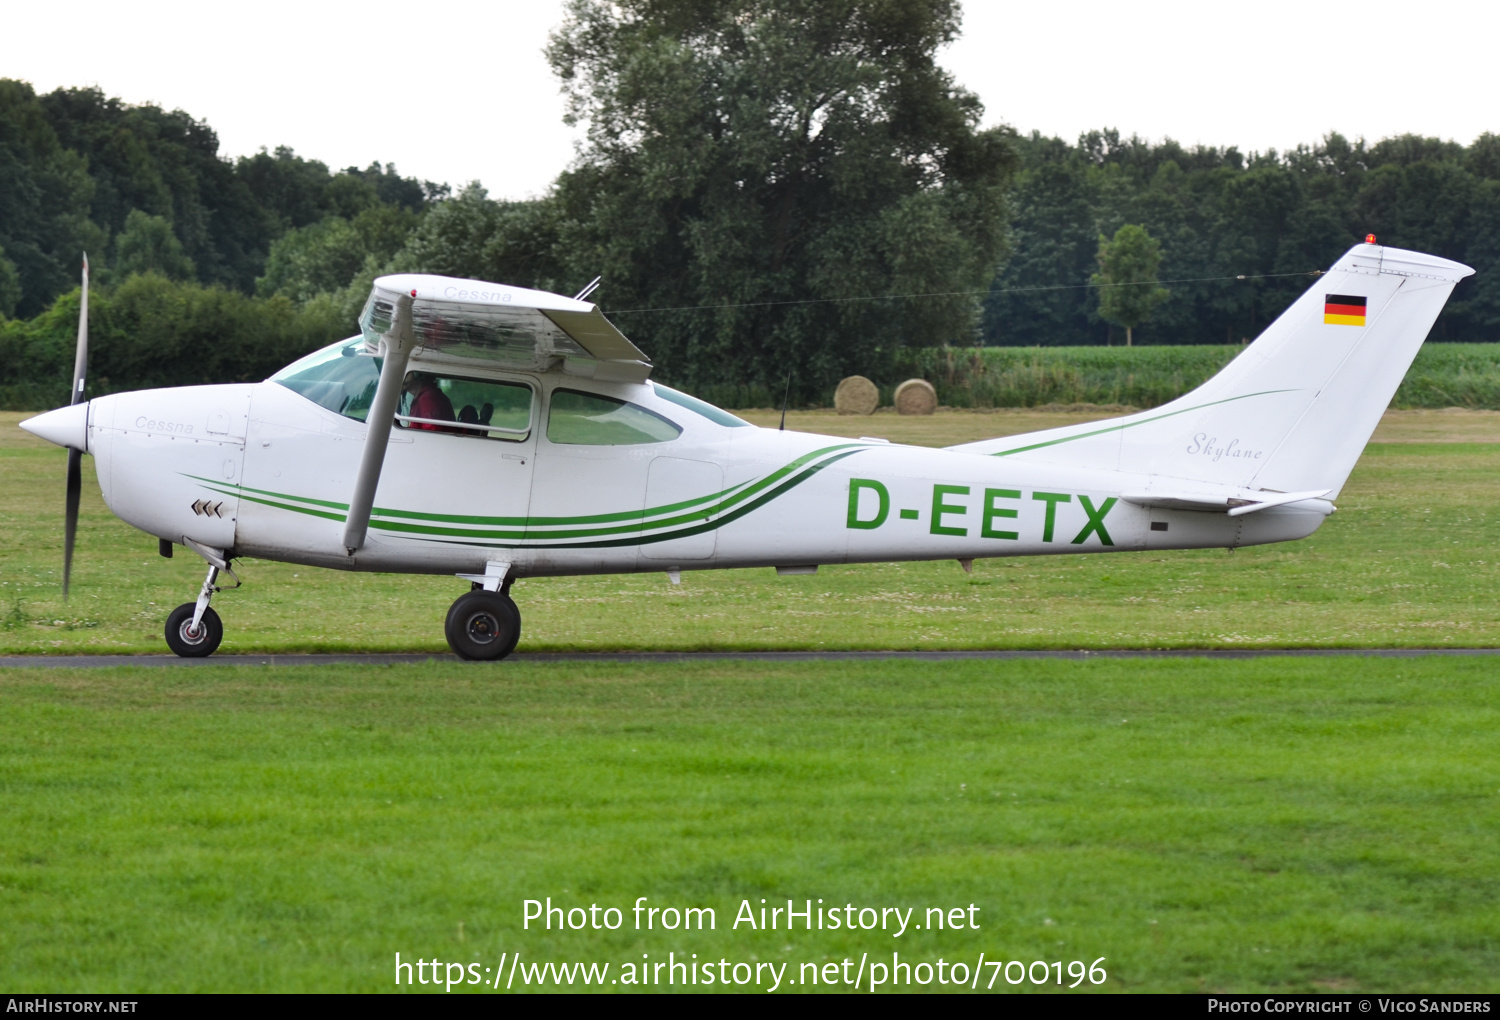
<point>483,625</point>
<point>188,640</point>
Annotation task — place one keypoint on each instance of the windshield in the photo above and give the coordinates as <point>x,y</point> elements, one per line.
<point>703,407</point>
<point>340,377</point>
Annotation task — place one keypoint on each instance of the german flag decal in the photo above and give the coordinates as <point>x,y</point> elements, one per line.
<point>1343,310</point>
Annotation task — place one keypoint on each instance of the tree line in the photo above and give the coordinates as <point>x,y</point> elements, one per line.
<point>145,190</point>
<point>1238,235</point>
<point>769,188</point>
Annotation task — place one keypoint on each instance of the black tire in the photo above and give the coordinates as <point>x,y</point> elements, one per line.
<point>483,625</point>
<point>206,642</point>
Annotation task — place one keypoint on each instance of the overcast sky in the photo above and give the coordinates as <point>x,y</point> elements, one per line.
<point>456,90</point>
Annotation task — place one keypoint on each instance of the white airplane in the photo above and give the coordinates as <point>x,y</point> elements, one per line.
<point>496,433</point>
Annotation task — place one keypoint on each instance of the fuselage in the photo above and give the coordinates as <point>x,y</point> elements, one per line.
<point>562,487</point>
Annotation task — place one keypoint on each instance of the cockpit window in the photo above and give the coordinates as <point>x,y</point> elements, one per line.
<point>587,419</point>
<point>703,407</point>
<point>343,379</point>
<point>337,377</point>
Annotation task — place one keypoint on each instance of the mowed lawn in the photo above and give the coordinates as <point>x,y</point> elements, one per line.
<point>1410,560</point>
<point>1276,824</point>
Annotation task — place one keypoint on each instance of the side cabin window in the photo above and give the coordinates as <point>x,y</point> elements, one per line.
<point>588,419</point>
<point>480,408</point>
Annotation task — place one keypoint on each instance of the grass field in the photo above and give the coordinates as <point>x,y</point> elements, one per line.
<point>1270,824</point>
<point>1409,560</point>
<point>1276,824</point>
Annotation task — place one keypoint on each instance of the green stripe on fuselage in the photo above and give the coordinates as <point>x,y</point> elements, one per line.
<point>698,529</point>
<point>522,529</point>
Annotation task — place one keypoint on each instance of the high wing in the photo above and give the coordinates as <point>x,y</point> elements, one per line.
<point>457,320</point>
<point>441,319</point>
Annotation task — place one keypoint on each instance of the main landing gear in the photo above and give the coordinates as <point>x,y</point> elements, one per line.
<point>483,624</point>
<point>193,629</point>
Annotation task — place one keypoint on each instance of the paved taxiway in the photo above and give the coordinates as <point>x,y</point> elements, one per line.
<point>75,661</point>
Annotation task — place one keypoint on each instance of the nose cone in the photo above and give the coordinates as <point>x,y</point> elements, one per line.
<point>66,426</point>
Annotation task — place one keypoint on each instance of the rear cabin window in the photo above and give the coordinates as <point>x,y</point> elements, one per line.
<point>714,414</point>
<point>587,419</point>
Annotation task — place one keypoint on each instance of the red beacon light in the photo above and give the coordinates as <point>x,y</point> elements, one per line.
<point>1369,239</point>
<point>414,290</point>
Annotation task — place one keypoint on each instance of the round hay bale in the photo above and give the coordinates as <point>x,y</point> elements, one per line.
<point>856,395</point>
<point>915,396</point>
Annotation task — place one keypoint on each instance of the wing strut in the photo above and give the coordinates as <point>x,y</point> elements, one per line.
<point>396,346</point>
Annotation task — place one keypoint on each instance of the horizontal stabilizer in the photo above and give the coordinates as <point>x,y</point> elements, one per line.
<point>1285,498</point>
<point>1234,503</point>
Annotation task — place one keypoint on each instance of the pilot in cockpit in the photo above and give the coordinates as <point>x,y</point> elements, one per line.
<point>427,401</point>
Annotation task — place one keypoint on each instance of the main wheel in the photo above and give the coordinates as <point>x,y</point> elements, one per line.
<point>186,642</point>
<point>483,625</point>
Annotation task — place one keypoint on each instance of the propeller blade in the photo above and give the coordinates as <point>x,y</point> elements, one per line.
<point>81,354</point>
<point>75,457</point>
<point>70,527</point>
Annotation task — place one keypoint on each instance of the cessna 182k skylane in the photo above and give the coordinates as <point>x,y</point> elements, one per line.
<point>494,432</point>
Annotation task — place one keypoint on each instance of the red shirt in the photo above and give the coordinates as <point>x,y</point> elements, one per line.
<point>431,402</point>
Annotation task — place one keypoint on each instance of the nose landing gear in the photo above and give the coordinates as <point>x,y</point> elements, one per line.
<point>193,629</point>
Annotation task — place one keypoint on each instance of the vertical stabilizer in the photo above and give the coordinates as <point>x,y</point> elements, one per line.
<point>1294,411</point>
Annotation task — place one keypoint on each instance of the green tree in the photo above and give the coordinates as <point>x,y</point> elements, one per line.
<point>1053,233</point>
<point>1127,278</point>
<point>147,245</point>
<point>165,163</point>
<point>151,331</point>
<point>475,236</point>
<point>10,286</point>
<point>763,168</point>
<point>326,256</point>
<point>44,201</point>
